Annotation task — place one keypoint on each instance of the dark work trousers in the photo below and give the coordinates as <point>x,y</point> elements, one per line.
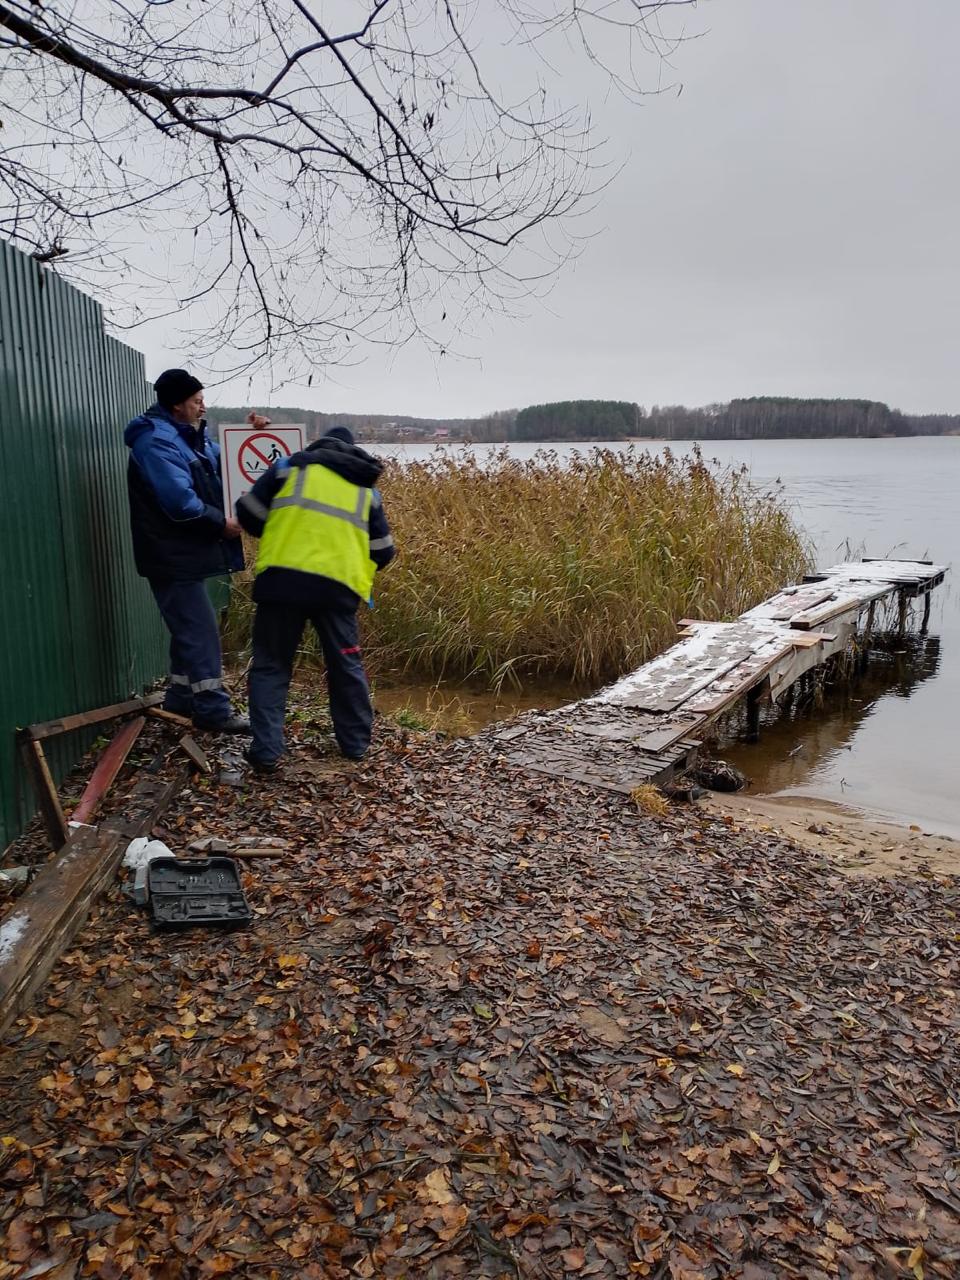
<point>196,663</point>
<point>277,631</point>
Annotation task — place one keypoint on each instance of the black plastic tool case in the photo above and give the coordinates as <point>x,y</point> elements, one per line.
<point>186,892</point>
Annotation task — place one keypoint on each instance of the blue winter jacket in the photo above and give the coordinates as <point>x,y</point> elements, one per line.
<point>176,501</point>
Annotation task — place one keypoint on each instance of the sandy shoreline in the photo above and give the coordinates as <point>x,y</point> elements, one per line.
<point>860,844</point>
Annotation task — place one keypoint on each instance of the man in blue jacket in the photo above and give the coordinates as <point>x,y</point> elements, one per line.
<point>323,536</point>
<point>181,536</point>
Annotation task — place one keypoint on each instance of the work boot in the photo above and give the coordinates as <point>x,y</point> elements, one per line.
<point>262,767</point>
<point>235,724</point>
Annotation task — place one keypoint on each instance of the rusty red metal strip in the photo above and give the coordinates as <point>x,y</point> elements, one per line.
<point>108,766</point>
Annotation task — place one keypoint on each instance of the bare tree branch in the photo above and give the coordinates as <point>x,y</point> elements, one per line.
<point>387,168</point>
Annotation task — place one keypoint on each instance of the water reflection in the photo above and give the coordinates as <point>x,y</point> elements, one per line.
<point>803,738</point>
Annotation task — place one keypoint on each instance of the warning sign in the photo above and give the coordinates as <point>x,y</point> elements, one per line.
<point>246,453</point>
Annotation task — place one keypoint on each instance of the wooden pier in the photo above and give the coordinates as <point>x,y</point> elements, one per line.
<point>650,724</point>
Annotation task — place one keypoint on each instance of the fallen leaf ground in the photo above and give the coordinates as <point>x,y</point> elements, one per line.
<point>489,1025</point>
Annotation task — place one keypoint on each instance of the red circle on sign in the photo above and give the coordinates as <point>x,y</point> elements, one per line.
<point>252,452</point>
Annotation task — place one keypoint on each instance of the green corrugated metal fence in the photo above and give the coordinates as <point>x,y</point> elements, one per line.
<point>78,628</point>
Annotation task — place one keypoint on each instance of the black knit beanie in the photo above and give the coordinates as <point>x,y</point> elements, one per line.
<point>174,386</point>
<point>339,433</point>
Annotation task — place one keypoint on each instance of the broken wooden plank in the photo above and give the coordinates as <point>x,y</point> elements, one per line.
<point>50,728</point>
<point>799,602</point>
<point>106,770</point>
<point>784,604</point>
<point>670,733</point>
<point>53,908</point>
<point>802,659</point>
<point>732,679</point>
<point>195,752</point>
<point>45,790</point>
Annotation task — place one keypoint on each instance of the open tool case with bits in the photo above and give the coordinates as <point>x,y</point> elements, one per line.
<point>185,892</point>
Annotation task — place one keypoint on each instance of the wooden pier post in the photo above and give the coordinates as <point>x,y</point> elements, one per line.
<point>924,625</point>
<point>753,714</point>
<point>866,638</point>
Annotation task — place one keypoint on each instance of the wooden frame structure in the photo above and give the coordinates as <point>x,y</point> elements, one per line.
<point>30,741</point>
<point>51,911</point>
<point>48,915</point>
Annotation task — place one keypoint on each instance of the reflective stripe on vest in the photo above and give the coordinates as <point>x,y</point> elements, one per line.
<point>319,523</point>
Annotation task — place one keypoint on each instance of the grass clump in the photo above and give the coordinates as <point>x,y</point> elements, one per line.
<point>650,800</point>
<point>576,567</point>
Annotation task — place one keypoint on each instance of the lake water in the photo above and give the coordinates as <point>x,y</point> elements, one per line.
<point>885,745</point>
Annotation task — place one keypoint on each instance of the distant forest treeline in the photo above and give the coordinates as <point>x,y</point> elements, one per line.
<point>757,418</point>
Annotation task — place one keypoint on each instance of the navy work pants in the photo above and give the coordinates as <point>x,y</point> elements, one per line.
<point>277,631</point>
<point>196,663</point>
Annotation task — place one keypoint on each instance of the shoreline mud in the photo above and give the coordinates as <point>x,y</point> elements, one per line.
<point>861,844</point>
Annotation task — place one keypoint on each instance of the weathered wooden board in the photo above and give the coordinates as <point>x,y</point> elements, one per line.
<point>848,599</point>
<point>44,788</point>
<point>912,577</point>
<point>67,723</point>
<point>802,659</point>
<point>169,717</point>
<point>610,766</point>
<point>107,768</point>
<point>198,757</point>
<point>687,667</point>
<point>782,606</point>
<point>621,724</point>
<point>893,571</point>
<point>727,690</point>
<point>670,732</point>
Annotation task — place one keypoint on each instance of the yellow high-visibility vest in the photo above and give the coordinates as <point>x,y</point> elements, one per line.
<point>320,523</point>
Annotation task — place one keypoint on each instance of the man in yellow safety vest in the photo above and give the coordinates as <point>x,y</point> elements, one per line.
<point>323,536</point>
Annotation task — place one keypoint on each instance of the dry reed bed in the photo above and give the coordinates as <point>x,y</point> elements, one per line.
<point>517,568</point>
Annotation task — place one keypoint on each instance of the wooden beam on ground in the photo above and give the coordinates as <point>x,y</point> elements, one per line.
<point>197,755</point>
<point>169,717</point>
<point>48,802</point>
<point>107,768</point>
<point>50,728</point>
<point>51,911</point>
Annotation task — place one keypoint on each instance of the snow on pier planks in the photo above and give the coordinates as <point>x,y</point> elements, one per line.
<point>647,726</point>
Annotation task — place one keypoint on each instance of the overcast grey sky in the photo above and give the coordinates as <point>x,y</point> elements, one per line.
<point>787,224</point>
